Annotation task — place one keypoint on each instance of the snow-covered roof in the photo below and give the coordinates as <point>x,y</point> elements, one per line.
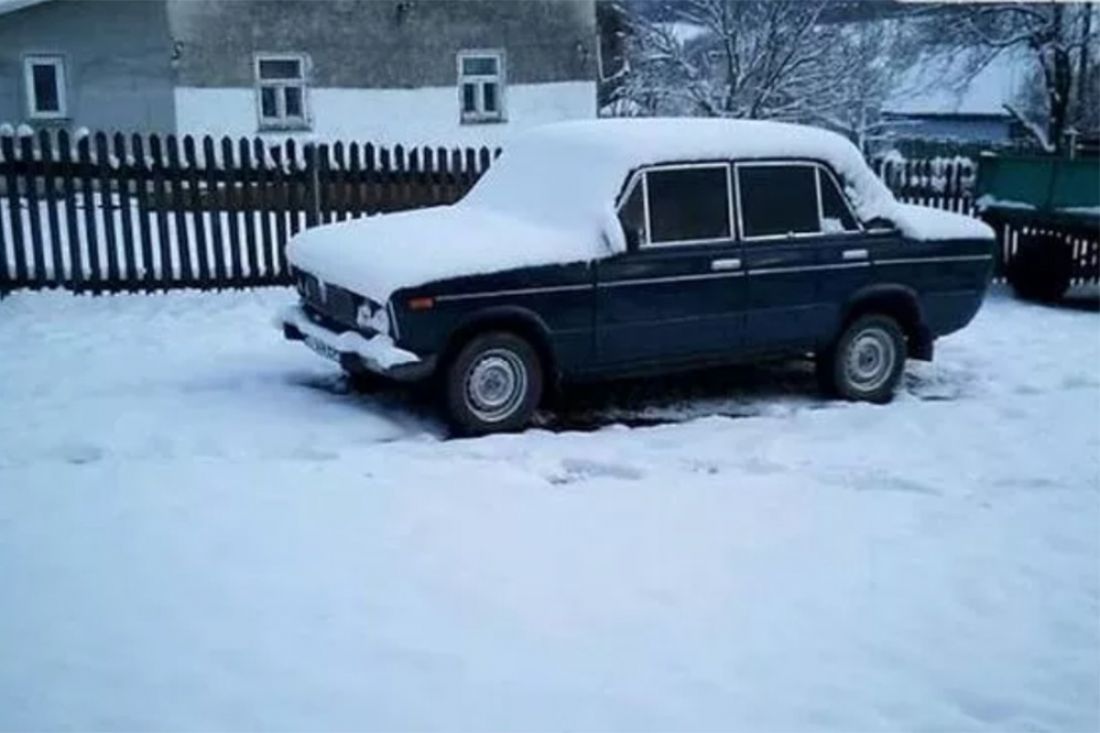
<point>938,84</point>
<point>10,6</point>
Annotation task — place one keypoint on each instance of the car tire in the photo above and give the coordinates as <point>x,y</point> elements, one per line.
<point>492,385</point>
<point>868,359</point>
<point>1042,269</point>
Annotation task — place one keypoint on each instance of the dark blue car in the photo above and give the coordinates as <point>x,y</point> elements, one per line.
<point>599,249</point>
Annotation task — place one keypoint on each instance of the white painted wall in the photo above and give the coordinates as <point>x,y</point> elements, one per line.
<point>425,116</point>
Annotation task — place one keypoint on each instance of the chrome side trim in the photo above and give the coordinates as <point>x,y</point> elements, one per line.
<point>729,263</point>
<point>393,320</point>
<point>670,279</point>
<point>517,291</point>
<point>924,260</point>
<point>808,268</point>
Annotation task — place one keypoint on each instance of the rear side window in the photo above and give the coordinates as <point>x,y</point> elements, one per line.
<point>835,214</point>
<point>778,200</point>
<point>688,204</point>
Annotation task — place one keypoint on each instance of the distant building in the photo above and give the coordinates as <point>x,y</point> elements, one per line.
<point>936,101</point>
<point>412,71</point>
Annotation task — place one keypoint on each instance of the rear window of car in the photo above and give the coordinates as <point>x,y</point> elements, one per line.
<point>778,200</point>
<point>688,204</point>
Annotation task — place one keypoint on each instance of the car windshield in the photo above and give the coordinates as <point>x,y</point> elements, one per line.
<point>563,186</point>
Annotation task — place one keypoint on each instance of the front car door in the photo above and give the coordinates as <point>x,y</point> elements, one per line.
<point>675,294</point>
<point>801,250</point>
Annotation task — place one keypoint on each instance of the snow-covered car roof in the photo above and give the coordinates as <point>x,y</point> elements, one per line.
<point>577,168</point>
<point>550,198</point>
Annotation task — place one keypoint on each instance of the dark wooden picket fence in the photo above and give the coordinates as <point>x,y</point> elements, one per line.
<point>144,212</point>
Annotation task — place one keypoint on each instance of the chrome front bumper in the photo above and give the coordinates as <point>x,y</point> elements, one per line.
<point>351,349</point>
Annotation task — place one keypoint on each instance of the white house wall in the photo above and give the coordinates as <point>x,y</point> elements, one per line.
<point>425,116</point>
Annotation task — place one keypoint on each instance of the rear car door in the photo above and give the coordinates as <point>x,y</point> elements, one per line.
<point>801,250</point>
<point>675,293</point>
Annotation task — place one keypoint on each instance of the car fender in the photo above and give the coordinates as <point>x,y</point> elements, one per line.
<point>899,301</point>
<point>523,321</point>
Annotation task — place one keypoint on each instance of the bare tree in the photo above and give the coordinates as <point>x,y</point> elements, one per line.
<point>777,59</point>
<point>1061,40</point>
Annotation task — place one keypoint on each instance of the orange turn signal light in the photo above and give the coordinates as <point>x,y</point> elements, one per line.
<point>421,304</point>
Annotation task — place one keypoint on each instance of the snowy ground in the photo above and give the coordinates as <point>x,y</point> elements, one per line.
<point>199,530</point>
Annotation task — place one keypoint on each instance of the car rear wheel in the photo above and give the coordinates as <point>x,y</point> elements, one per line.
<point>493,384</point>
<point>867,360</point>
<point>1042,268</point>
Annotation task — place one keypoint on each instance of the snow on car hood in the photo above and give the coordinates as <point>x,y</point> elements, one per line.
<point>377,255</point>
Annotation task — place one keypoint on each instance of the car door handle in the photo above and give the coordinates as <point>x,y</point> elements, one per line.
<point>728,264</point>
<point>854,254</point>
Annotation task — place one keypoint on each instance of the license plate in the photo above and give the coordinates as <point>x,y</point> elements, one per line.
<point>322,348</point>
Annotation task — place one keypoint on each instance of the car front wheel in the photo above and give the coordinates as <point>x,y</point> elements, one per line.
<point>867,360</point>
<point>493,384</point>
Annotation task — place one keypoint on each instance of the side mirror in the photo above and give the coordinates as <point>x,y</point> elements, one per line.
<point>879,223</point>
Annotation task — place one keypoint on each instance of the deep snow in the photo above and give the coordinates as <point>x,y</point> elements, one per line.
<point>199,531</point>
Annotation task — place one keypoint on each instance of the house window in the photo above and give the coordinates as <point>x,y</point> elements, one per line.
<point>45,83</point>
<point>281,91</point>
<point>481,86</point>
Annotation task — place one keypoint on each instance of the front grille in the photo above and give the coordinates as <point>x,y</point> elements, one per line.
<point>331,301</point>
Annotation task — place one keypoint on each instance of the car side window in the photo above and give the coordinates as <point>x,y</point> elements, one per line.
<point>689,204</point>
<point>632,214</point>
<point>778,200</point>
<point>836,217</point>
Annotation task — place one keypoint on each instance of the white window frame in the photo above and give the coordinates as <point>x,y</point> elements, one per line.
<point>793,163</point>
<point>639,178</point>
<point>282,121</point>
<point>57,61</point>
<point>479,115</point>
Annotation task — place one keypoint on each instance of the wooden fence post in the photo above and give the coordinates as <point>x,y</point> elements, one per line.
<point>313,186</point>
<point>49,191</point>
<point>37,273</point>
<point>87,195</point>
<point>106,208</point>
<point>125,172</point>
<point>262,198</point>
<point>15,210</point>
<point>232,206</point>
<point>215,203</point>
<point>194,207</point>
<point>280,207</point>
<point>72,230</point>
<point>248,210</point>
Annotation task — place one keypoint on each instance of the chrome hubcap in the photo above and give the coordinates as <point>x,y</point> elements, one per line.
<point>870,359</point>
<point>495,385</point>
